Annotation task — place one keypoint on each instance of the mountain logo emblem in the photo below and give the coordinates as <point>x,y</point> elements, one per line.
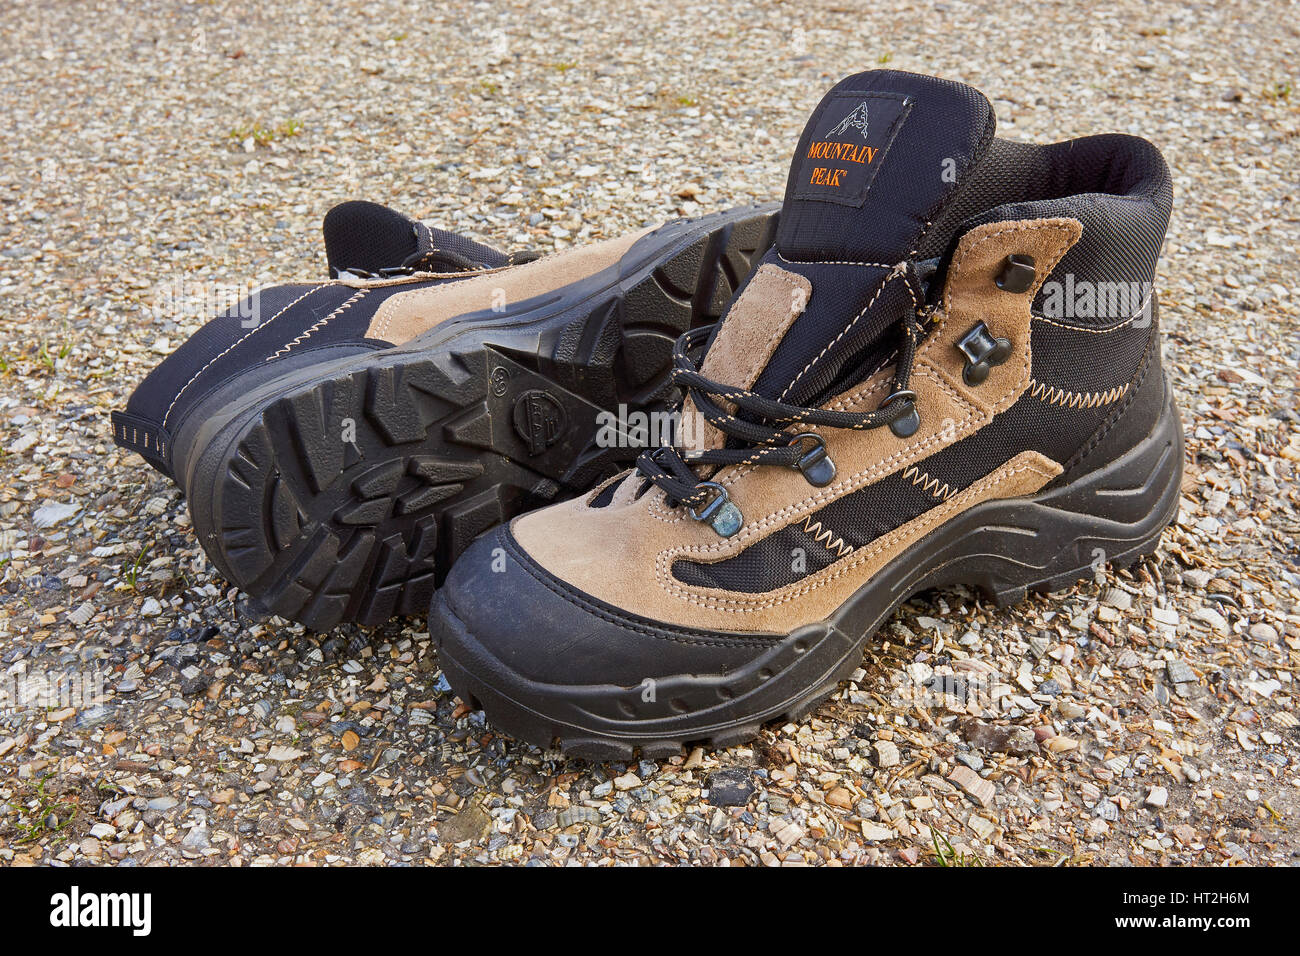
<point>855,120</point>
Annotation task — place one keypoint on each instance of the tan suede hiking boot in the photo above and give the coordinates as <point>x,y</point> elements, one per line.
<point>947,371</point>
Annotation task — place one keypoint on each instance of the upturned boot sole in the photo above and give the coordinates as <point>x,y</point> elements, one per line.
<point>343,490</point>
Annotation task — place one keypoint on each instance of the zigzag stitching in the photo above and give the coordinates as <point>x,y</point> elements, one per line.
<point>940,490</point>
<point>167,414</point>
<point>1059,396</point>
<point>825,537</point>
<point>316,327</point>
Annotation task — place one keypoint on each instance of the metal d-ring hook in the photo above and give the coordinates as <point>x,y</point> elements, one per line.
<point>816,464</point>
<point>723,516</point>
<point>906,425</point>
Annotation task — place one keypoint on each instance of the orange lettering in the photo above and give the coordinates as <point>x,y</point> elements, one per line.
<point>821,176</point>
<point>842,151</point>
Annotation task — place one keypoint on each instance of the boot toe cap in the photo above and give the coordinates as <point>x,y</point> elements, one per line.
<point>544,630</point>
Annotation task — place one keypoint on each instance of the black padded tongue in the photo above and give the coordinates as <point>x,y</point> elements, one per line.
<point>366,237</point>
<point>875,172</point>
<point>880,156</point>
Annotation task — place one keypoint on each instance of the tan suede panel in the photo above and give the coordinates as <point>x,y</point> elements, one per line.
<point>755,325</point>
<point>817,596</point>
<point>949,409</point>
<point>623,553</point>
<point>750,333</point>
<point>408,314</point>
<point>596,550</point>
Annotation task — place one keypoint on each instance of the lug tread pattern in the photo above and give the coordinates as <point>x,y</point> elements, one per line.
<point>322,530</point>
<point>691,289</point>
<point>322,537</point>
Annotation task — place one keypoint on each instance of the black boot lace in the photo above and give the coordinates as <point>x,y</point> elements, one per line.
<point>766,432</point>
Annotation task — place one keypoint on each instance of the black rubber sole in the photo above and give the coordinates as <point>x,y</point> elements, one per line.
<point>1044,542</point>
<point>344,492</point>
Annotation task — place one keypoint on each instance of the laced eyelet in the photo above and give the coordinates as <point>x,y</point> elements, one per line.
<point>816,464</point>
<point>723,516</point>
<point>905,426</point>
<point>755,423</point>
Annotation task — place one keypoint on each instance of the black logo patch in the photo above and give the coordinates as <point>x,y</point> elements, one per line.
<point>851,134</point>
<point>539,420</point>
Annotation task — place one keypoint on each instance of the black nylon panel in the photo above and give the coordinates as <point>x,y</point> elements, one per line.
<point>817,541</point>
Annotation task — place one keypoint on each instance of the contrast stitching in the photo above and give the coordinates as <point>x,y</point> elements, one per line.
<point>133,437</point>
<point>258,328</point>
<point>769,347</point>
<point>1141,310</point>
<point>656,510</point>
<point>886,466</point>
<point>938,514</point>
<point>826,537</point>
<point>947,309</point>
<point>1058,396</point>
<point>783,327</point>
<point>843,403</point>
<point>964,254</point>
<point>1039,317</point>
<point>941,490</point>
<point>740,470</point>
<point>315,327</point>
<point>844,331</point>
<point>1117,413</point>
<point>431,293</point>
<point>908,453</point>
<point>354,282</point>
<point>833,262</point>
<point>544,262</point>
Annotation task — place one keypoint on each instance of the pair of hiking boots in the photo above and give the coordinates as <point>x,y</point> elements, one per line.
<point>942,367</point>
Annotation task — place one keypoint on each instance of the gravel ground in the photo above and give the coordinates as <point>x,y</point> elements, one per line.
<point>157,157</point>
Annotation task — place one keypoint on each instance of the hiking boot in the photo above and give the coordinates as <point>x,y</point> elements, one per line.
<point>946,372</point>
<point>267,332</point>
<point>340,442</point>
